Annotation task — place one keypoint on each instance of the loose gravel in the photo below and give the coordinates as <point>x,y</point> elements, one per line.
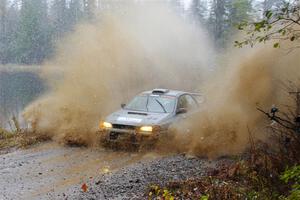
<point>131,182</point>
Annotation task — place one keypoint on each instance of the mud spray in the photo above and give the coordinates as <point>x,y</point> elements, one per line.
<point>107,62</point>
<point>250,79</point>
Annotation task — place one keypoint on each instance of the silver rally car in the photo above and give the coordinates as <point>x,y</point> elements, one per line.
<point>148,116</point>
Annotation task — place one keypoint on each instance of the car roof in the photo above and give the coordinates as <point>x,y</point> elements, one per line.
<point>160,91</point>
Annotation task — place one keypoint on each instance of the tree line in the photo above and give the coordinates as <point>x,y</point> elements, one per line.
<point>222,17</point>
<point>30,28</point>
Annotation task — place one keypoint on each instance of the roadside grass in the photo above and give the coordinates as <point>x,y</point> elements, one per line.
<point>21,139</point>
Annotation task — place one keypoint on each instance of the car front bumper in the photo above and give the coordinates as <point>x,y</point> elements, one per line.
<point>115,135</point>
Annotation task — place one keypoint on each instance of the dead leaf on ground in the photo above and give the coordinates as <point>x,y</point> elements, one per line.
<point>84,187</point>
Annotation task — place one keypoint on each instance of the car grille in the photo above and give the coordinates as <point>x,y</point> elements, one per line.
<point>113,135</point>
<point>122,126</point>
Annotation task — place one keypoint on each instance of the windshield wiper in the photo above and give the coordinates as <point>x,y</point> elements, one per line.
<point>147,104</point>
<point>161,105</point>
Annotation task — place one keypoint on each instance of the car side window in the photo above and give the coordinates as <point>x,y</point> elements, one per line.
<point>181,102</point>
<point>187,102</point>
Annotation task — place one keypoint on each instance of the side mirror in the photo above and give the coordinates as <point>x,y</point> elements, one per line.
<point>181,110</point>
<point>123,105</point>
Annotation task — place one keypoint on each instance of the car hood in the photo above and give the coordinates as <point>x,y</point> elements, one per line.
<point>137,118</point>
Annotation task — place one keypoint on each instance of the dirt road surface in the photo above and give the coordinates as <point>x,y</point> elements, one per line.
<point>51,171</point>
<point>48,170</point>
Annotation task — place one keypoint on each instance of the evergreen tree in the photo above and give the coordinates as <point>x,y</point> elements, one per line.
<point>239,10</point>
<point>199,10</point>
<point>33,36</point>
<point>59,18</point>
<point>8,27</point>
<point>3,33</point>
<point>217,21</point>
<point>89,7</point>
<point>75,12</point>
<point>225,15</point>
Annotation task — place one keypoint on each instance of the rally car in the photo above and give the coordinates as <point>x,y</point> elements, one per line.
<point>148,116</point>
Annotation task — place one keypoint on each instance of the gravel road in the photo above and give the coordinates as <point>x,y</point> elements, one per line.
<point>51,171</point>
<point>131,182</point>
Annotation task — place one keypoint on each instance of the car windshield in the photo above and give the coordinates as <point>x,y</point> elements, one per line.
<point>152,103</point>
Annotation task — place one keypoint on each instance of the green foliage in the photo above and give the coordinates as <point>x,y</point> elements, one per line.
<point>204,197</point>
<point>276,45</point>
<point>279,24</point>
<point>253,195</point>
<point>156,191</point>
<point>292,176</point>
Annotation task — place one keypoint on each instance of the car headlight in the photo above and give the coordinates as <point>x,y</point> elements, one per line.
<point>146,128</point>
<point>105,125</point>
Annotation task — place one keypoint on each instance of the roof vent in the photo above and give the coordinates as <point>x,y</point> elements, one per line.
<point>160,91</point>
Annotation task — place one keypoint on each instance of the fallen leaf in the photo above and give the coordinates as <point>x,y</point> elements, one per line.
<point>84,187</point>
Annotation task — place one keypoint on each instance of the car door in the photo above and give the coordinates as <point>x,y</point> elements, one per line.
<point>189,105</point>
